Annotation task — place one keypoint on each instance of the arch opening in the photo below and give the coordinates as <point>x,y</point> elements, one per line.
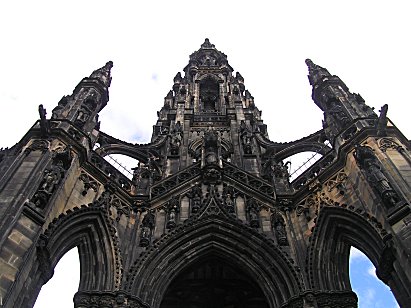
<point>365,283</point>
<point>213,283</point>
<point>64,283</point>
<point>123,163</point>
<point>209,94</point>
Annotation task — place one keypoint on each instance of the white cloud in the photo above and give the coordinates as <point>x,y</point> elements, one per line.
<point>371,272</point>
<point>356,254</point>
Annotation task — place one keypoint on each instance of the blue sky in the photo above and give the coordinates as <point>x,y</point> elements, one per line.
<point>371,292</point>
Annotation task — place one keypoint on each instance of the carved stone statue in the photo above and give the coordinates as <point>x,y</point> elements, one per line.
<point>147,225</point>
<point>229,203</point>
<point>195,195</point>
<point>246,138</point>
<point>173,208</point>
<point>382,121</point>
<point>252,209</point>
<point>228,197</point>
<point>176,139</point>
<point>52,178</point>
<point>278,225</point>
<point>82,116</point>
<point>44,125</point>
<point>368,162</point>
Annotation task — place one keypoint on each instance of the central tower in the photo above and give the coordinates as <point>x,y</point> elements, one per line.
<point>210,215</point>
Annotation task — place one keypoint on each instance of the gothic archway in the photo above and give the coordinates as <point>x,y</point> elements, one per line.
<point>213,282</point>
<point>90,230</point>
<point>214,238</point>
<point>336,231</point>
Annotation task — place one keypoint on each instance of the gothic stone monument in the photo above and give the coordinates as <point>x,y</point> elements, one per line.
<point>210,217</point>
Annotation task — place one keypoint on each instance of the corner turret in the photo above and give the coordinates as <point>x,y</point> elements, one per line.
<point>344,112</point>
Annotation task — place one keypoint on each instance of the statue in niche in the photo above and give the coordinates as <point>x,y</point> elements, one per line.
<point>368,162</point>
<point>52,177</point>
<point>246,138</point>
<point>173,208</point>
<point>278,225</point>
<point>228,197</point>
<point>252,209</point>
<point>176,138</point>
<point>147,225</point>
<point>208,60</point>
<point>229,203</point>
<point>195,195</point>
<point>82,116</point>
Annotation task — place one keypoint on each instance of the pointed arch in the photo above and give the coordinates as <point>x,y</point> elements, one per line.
<point>336,230</point>
<point>214,237</point>
<point>91,231</point>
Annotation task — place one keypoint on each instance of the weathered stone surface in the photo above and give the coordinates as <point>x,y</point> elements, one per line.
<point>209,216</point>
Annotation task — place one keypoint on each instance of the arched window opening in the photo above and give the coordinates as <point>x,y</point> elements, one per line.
<point>209,94</point>
<point>371,291</point>
<point>300,162</point>
<point>213,283</point>
<point>60,289</point>
<point>123,163</point>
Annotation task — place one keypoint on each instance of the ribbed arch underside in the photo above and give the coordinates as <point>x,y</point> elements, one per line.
<point>208,238</point>
<point>87,229</point>
<point>337,230</point>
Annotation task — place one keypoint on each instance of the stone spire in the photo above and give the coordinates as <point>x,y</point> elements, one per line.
<point>103,74</point>
<point>315,72</point>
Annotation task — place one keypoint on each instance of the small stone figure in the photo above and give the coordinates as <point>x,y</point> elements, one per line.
<point>278,226</point>
<point>172,209</point>
<point>368,162</point>
<point>176,139</point>
<point>195,195</point>
<point>229,203</point>
<point>228,197</point>
<point>252,209</point>
<point>52,178</point>
<point>82,116</point>
<point>246,138</point>
<point>44,125</point>
<point>147,225</point>
<point>382,121</point>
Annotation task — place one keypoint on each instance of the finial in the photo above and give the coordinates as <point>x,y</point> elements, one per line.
<point>315,72</point>
<point>311,65</point>
<point>178,78</point>
<point>103,73</point>
<point>207,44</point>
